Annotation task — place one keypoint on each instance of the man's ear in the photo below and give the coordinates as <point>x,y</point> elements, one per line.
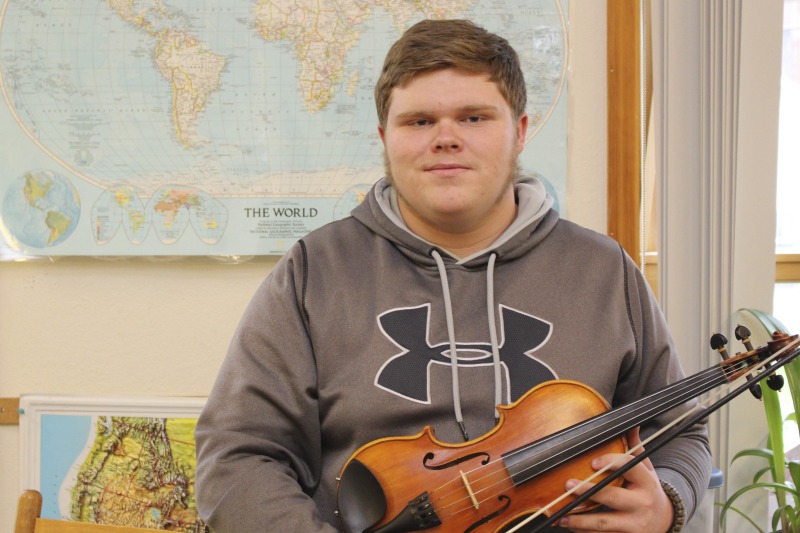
<point>382,133</point>
<point>522,131</point>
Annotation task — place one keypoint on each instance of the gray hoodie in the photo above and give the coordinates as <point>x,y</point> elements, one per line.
<point>349,339</point>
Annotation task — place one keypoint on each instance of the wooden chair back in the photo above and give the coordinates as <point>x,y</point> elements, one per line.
<point>29,510</point>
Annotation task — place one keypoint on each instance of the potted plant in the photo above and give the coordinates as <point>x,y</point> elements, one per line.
<point>778,475</point>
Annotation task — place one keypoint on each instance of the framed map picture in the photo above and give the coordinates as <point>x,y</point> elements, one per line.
<point>116,460</point>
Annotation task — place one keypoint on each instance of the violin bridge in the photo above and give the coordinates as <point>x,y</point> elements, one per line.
<point>472,497</point>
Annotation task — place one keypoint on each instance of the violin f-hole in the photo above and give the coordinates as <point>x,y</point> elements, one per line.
<point>430,456</point>
<point>488,518</point>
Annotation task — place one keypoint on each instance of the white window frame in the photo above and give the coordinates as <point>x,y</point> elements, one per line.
<point>716,83</point>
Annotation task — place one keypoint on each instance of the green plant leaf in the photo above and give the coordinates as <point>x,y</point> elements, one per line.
<point>786,515</point>
<point>740,513</point>
<point>794,471</point>
<point>792,369</point>
<point>764,453</point>
<point>776,519</point>
<point>792,372</point>
<point>761,473</point>
<point>769,322</point>
<point>772,407</point>
<point>788,518</point>
<point>777,487</point>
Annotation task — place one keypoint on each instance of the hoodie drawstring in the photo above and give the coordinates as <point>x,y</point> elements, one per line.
<point>448,311</point>
<point>451,335</point>
<point>493,335</point>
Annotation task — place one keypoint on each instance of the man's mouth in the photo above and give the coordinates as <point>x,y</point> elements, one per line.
<point>447,169</point>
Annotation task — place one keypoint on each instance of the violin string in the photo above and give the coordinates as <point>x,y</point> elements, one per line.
<point>639,447</point>
<point>712,373</point>
<point>496,468</point>
<point>613,465</point>
<point>728,368</point>
<point>615,420</point>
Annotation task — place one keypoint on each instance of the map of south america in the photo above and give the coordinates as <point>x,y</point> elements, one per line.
<point>190,68</point>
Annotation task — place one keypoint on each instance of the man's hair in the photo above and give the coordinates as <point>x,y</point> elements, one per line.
<point>439,44</point>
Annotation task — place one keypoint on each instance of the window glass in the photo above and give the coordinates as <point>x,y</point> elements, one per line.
<point>786,306</point>
<point>788,227</point>
<point>786,303</point>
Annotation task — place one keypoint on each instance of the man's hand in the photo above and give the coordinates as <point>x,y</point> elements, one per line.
<point>639,505</point>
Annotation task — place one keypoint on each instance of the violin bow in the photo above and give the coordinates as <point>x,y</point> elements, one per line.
<point>658,440</point>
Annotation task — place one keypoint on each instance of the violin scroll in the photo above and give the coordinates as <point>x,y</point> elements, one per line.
<point>720,343</point>
<point>779,341</point>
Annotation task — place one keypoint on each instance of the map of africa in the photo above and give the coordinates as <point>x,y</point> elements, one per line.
<point>220,127</point>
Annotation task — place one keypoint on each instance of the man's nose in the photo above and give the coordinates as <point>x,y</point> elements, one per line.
<point>447,137</point>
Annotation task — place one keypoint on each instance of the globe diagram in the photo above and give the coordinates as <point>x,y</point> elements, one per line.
<point>41,209</point>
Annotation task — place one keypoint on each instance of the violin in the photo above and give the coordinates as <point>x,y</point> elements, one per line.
<point>517,472</point>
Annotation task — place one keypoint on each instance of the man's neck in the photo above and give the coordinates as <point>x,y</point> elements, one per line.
<point>458,241</point>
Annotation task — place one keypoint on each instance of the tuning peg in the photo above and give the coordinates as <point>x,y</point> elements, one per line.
<point>719,343</point>
<point>743,334</point>
<point>775,382</point>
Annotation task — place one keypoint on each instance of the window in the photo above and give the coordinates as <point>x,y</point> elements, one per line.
<point>786,306</point>
<point>787,246</point>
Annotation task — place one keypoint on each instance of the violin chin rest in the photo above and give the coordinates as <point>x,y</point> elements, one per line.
<point>360,498</point>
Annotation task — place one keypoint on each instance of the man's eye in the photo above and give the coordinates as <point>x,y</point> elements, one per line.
<point>474,119</point>
<point>421,122</point>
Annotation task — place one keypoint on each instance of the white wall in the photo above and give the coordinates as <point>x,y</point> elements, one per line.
<point>146,327</point>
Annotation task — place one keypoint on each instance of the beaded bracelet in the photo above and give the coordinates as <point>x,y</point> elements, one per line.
<point>679,509</point>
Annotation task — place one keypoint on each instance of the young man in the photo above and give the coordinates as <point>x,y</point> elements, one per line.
<point>352,336</point>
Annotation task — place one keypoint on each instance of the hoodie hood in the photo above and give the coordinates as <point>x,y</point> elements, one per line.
<point>534,221</point>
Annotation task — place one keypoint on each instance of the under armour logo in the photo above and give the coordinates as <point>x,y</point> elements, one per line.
<point>407,373</point>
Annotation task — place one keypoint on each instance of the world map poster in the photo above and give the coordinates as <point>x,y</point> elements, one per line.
<point>220,127</point>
